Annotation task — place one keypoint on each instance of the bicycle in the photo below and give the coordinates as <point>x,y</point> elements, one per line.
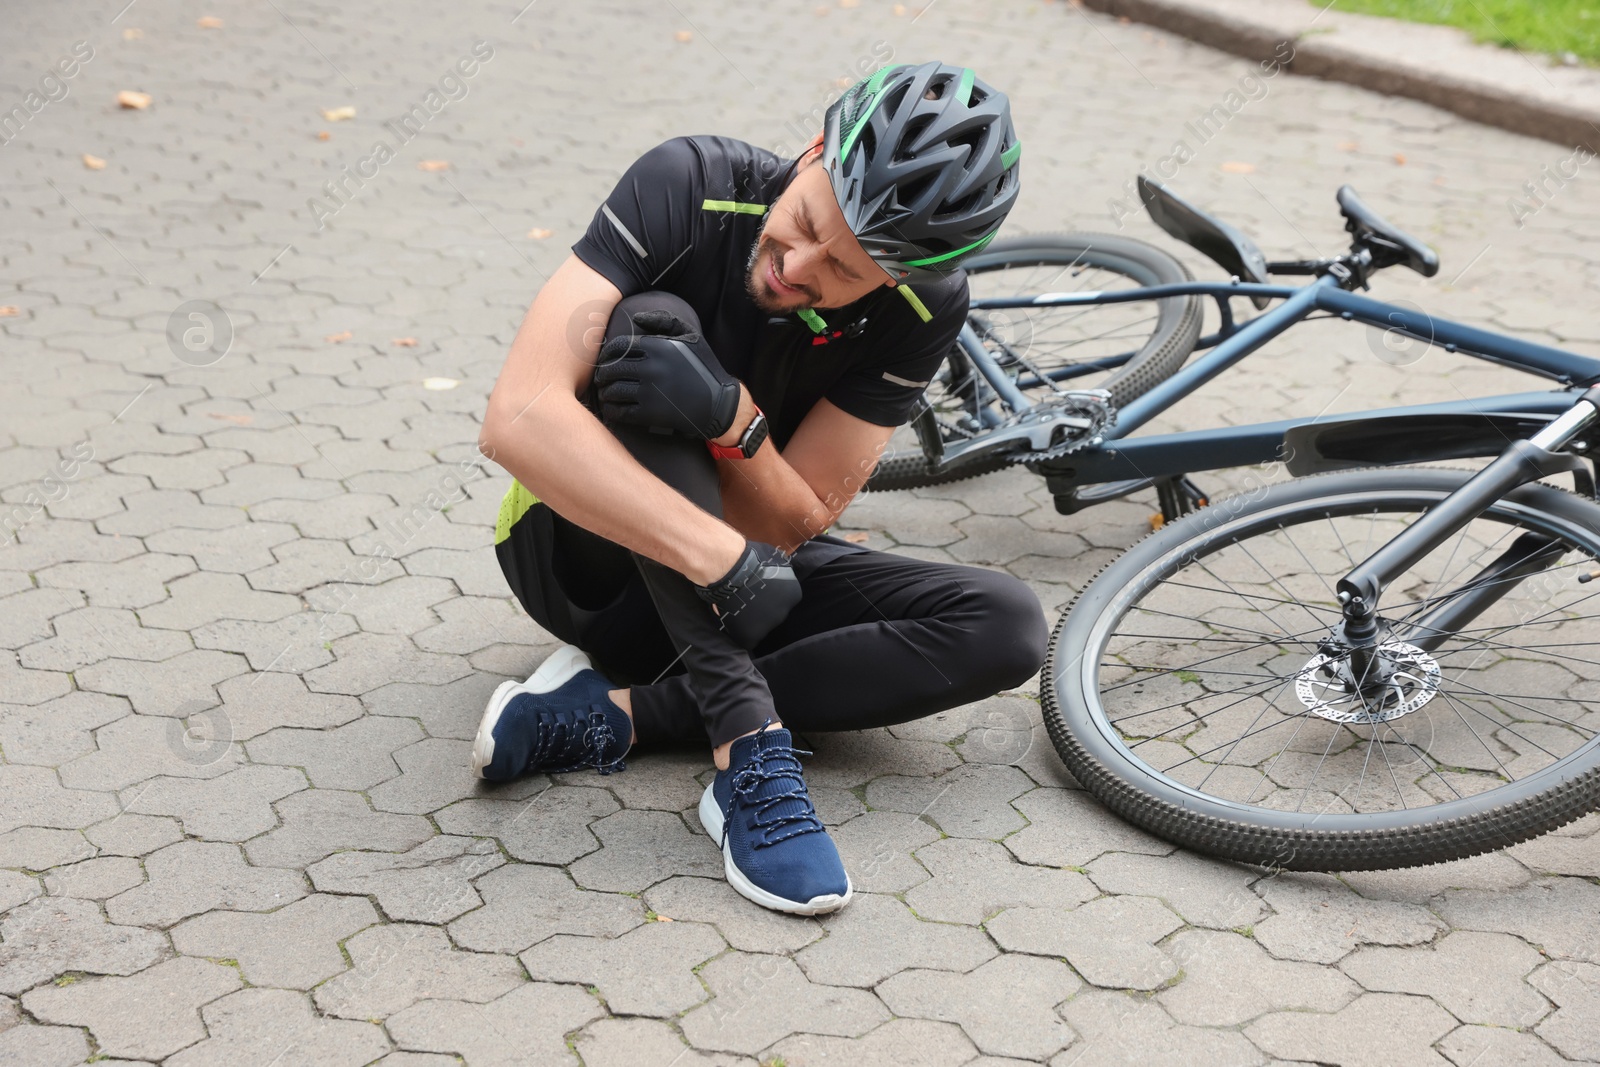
<point>1367,667</point>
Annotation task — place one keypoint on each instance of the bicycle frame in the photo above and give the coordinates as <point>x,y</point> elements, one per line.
<point>1119,458</point>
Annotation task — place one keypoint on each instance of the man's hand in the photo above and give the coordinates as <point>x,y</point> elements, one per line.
<point>756,595</point>
<point>665,378</point>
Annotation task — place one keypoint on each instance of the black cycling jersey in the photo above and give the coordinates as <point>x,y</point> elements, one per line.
<point>684,220</point>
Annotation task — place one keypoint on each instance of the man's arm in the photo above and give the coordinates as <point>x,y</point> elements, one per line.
<point>538,430</point>
<point>787,499</point>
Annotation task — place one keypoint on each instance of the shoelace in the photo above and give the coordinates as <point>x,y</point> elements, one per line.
<point>598,737</point>
<point>771,763</point>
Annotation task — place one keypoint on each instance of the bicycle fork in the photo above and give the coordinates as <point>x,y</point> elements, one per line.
<point>1525,461</point>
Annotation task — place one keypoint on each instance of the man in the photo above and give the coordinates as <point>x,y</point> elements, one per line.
<point>769,323</point>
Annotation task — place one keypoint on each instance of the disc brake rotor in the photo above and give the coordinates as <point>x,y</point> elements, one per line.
<point>1410,680</point>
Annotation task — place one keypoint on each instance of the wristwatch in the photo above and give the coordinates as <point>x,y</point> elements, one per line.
<point>749,441</point>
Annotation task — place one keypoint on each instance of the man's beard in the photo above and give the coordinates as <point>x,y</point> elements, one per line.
<point>764,298</point>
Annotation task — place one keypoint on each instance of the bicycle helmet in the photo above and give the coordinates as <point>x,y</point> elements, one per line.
<point>923,160</point>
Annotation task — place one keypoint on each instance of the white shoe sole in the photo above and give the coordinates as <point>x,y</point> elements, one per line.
<point>556,671</point>
<point>711,819</point>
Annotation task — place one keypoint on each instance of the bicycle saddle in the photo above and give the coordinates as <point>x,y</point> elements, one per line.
<point>1226,246</point>
<point>1392,244</point>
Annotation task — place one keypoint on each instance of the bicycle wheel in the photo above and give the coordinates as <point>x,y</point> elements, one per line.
<point>1062,344</point>
<point>1185,687</point>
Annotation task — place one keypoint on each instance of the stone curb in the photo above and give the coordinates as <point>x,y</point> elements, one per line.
<point>1434,64</point>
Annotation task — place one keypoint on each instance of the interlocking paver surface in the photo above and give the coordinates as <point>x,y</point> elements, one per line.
<point>245,643</point>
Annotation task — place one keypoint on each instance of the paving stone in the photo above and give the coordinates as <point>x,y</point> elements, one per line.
<point>1007,1006</point>
<point>630,1042</point>
<point>972,880</point>
<point>1229,979</point>
<point>232,552</point>
<point>140,747</point>
<point>1204,892</point>
<point>523,1027</point>
<point>357,755</point>
<point>305,564</point>
<point>317,823</point>
<point>1477,977</point>
<point>1420,885</point>
<point>758,1000</point>
<point>259,1025</point>
<point>1484,1045</point>
<point>877,936</point>
<point>650,970</point>
<point>28,614</point>
<point>1115,1028</point>
<point>1110,941</point>
<point>434,772</point>
<point>876,848</point>
<point>256,703</point>
<point>897,1043</point>
<point>192,877</point>
<point>131,583</point>
<point>1070,829</point>
<point>973,800</point>
<point>95,879</point>
<point>367,661</point>
<point>847,761</point>
<point>148,1016</point>
<point>449,710</point>
<point>1377,1029</point>
<point>43,1046</point>
<point>745,928</point>
<point>661,781</point>
<point>553,826</point>
<point>416,1059</point>
<point>524,905</point>
<point>134,835</point>
<point>292,644</point>
<point>1574,988</point>
<point>641,848</point>
<point>234,807</point>
<point>1321,921</point>
<point>34,848</point>
<point>34,796</point>
<point>89,635</point>
<point>472,623</point>
<point>1539,912</point>
<point>431,883</point>
<point>22,686</point>
<point>17,888</point>
<point>53,935</point>
<point>398,964</point>
<point>206,596</point>
<point>57,731</point>
<point>165,688</point>
<point>295,947</point>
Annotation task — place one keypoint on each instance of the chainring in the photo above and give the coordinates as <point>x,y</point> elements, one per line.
<point>1093,405</point>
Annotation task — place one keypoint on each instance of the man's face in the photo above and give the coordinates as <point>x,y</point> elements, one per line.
<point>807,256</point>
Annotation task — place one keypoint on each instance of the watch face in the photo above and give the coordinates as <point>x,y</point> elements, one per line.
<point>754,435</point>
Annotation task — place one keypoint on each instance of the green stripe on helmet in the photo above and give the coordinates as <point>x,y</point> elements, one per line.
<point>915,301</point>
<point>873,86</point>
<point>964,86</point>
<point>811,319</point>
<point>734,206</point>
<point>1009,157</point>
<point>973,247</point>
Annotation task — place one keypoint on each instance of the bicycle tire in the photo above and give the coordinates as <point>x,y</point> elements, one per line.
<point>1454,829</point>
<point>1170,343</point>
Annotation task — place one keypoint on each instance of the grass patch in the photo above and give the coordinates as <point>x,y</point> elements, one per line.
<point>1554,26</point>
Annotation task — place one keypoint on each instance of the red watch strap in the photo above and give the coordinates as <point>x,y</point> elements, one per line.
<point>736,451</point>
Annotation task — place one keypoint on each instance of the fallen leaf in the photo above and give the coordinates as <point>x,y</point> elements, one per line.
<point>539,233</point>
<point>665,919</point>
<point>338,338</point>
<point>339,114</point>
<point>237,420</point>
<point>93,162</point>
<point>857,537</point>
<point>439,385</point>
<point>8,311</point>
<point>1239,168</point>
<point>899,9</point>
<point>208,22</point>
<point>821,11</point>
<point>131,34</point>
<point>1400,158</point>
<point>1348,146</point>
<point>134,100</point>
<point>683,36</point>
<point>324,135</point>
<point>433,165</point>
<point>404,342</point>
<point>849,3</point>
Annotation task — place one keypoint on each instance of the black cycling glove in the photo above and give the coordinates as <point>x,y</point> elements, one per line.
<point>664,377</point>
<point>756,595</point>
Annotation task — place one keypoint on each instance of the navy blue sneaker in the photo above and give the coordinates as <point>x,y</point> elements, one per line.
<point>559,720</point>
<point>774,848</point>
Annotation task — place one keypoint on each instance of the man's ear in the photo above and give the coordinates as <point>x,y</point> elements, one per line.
<point>812,152</point>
